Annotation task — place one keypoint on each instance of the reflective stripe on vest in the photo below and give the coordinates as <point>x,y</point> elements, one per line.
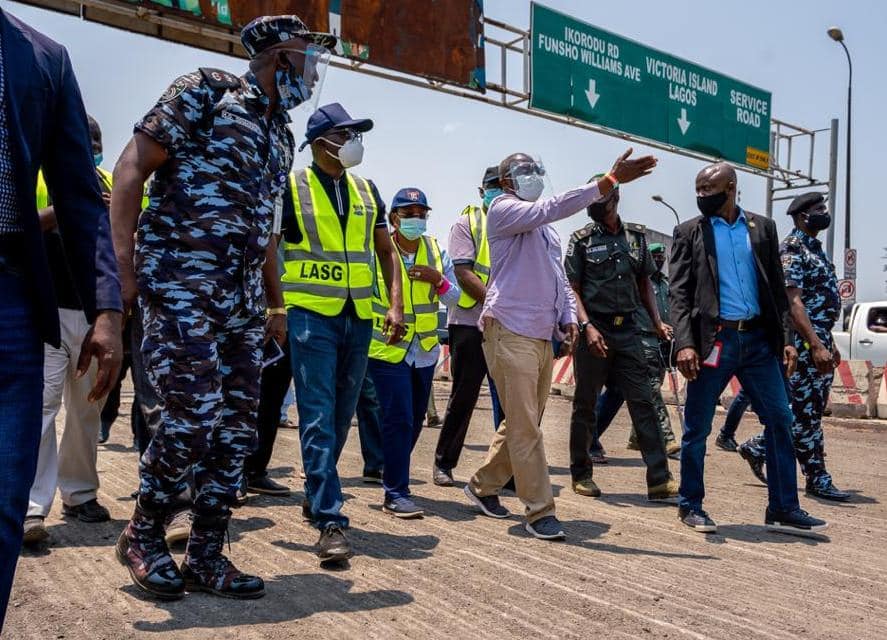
<point>477,223</point>
<point>420,306</point>
<point>327,266</point>
<point>42,191</point>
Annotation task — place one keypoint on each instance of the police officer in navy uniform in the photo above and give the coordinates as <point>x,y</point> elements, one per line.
<point>814,304</point>
<point>220,149</point>
<point>609,267</point>
<point>655,355</point>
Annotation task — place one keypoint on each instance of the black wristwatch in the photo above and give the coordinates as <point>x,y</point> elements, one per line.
<point>583,326</point>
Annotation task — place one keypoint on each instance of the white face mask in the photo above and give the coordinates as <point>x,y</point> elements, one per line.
<point>350,154</point>
<point>529,187</point>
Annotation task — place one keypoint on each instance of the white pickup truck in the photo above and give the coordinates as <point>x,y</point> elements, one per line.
<point>862,340</point>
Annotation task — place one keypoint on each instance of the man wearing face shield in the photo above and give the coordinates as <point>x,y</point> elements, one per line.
<point>814,305</point>
<point>333,235</point>
<point>220,150</point>
<point>609,267</point>
<point>730,314</point>
<point>527,302</point>
<point>470,251</point>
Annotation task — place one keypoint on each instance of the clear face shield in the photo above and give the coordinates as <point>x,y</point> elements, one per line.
<point>530,179</point>
<point>300,86</point>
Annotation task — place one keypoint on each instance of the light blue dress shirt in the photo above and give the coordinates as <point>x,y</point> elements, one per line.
<point>737,274</point>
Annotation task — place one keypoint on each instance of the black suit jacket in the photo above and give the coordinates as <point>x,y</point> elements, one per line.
<point>47,127</point>
<point>694,293</point>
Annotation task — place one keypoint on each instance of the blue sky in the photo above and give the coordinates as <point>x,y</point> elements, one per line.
<point>442,143</point>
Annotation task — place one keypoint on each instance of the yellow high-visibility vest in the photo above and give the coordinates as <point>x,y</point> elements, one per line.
<point>420,306</point>
<point>477,223</point>
<point>327,266</point>
<point>106,183</point>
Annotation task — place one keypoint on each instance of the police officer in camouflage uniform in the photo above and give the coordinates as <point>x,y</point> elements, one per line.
<point>814,303</point>
<point>611,399</point>
<point>220,150</point>
<point>609,267</point>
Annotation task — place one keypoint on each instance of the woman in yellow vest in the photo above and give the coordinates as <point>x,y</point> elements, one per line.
<point>402,372</point>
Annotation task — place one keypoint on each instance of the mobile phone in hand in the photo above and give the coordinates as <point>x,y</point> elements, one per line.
<point>272,353</point>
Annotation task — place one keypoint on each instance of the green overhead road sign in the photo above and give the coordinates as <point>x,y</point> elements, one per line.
<point>593,75</point>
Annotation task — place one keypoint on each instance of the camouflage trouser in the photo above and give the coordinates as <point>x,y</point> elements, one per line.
<point>809,393</point>
<point>655,374</point>
<point>206,374</point>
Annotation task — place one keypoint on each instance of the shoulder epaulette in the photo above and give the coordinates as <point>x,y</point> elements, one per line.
<point>584,232</point>
<point>792,241</point>
<point>634,226</point>
<point>218,79</point>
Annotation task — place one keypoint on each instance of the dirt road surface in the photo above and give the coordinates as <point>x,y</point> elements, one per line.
<point>627,570</point>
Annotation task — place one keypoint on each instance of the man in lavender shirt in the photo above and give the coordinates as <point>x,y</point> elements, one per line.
<point>528,302</point>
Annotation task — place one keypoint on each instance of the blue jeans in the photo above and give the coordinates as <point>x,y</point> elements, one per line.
<point>734,414</point>
<point>369,426</point>
<point>748,356</point>
<point>403,395</point>
<point>21,402</point>
<point>498,412</point>
<point>329,357</point>
<point>608,405</point>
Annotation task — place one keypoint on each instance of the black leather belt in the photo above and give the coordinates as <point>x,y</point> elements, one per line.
<point>613,320</point>
<point>741,325</point>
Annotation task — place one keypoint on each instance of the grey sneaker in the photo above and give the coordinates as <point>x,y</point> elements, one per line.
<point>547,528</point>
<point>177,526</point>
<point>402,508</point>
<point>489,505</point>
<point>697,520</point>
<point>442,477</point>
<point>35,531</point>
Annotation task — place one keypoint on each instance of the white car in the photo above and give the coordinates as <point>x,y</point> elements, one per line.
<point>866,334</point>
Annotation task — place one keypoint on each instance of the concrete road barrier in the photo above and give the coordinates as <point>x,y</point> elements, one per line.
<point>851,389</point>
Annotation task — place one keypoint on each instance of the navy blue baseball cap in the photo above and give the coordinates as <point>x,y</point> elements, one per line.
<point>332,116</point>
<point>409,196</point>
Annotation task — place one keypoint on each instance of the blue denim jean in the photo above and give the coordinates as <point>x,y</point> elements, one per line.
<point>403,396</point>
<point>748,356</point>
<point>608,405</point>
<point>329,357</point>
<point>21,402</point>
<point>369,426</point>
<point>734,414</point>
<point>498,412</point>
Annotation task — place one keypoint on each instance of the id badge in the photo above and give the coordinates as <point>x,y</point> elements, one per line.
<point>714,358</point>
<point>277,221</point>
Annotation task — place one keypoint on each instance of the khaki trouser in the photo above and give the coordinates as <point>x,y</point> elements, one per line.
<point>70,466</point>
<point>521,368</point>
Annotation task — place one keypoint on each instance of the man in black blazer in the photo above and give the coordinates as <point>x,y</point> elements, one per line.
<point>729,312</point>
<point>43,124</point>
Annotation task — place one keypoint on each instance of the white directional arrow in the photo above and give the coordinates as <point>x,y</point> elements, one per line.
<point>683,123</point>
<point>591,94</point>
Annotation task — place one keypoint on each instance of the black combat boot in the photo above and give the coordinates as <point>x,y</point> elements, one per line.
<point>142,549</point>
<point>205,568</point>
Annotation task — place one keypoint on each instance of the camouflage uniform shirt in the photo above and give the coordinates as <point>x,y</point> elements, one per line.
<point>807,268</point>
<point>211,204</point>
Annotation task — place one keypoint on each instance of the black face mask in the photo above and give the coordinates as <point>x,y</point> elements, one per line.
<point>597,211</point>
<point>818,221</point>
<point>711,204</point>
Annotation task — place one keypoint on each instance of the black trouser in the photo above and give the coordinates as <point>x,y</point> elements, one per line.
<point>625,368</point>
<point>276,380</point>
<point>468,368</point>
<point>111,410</point>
